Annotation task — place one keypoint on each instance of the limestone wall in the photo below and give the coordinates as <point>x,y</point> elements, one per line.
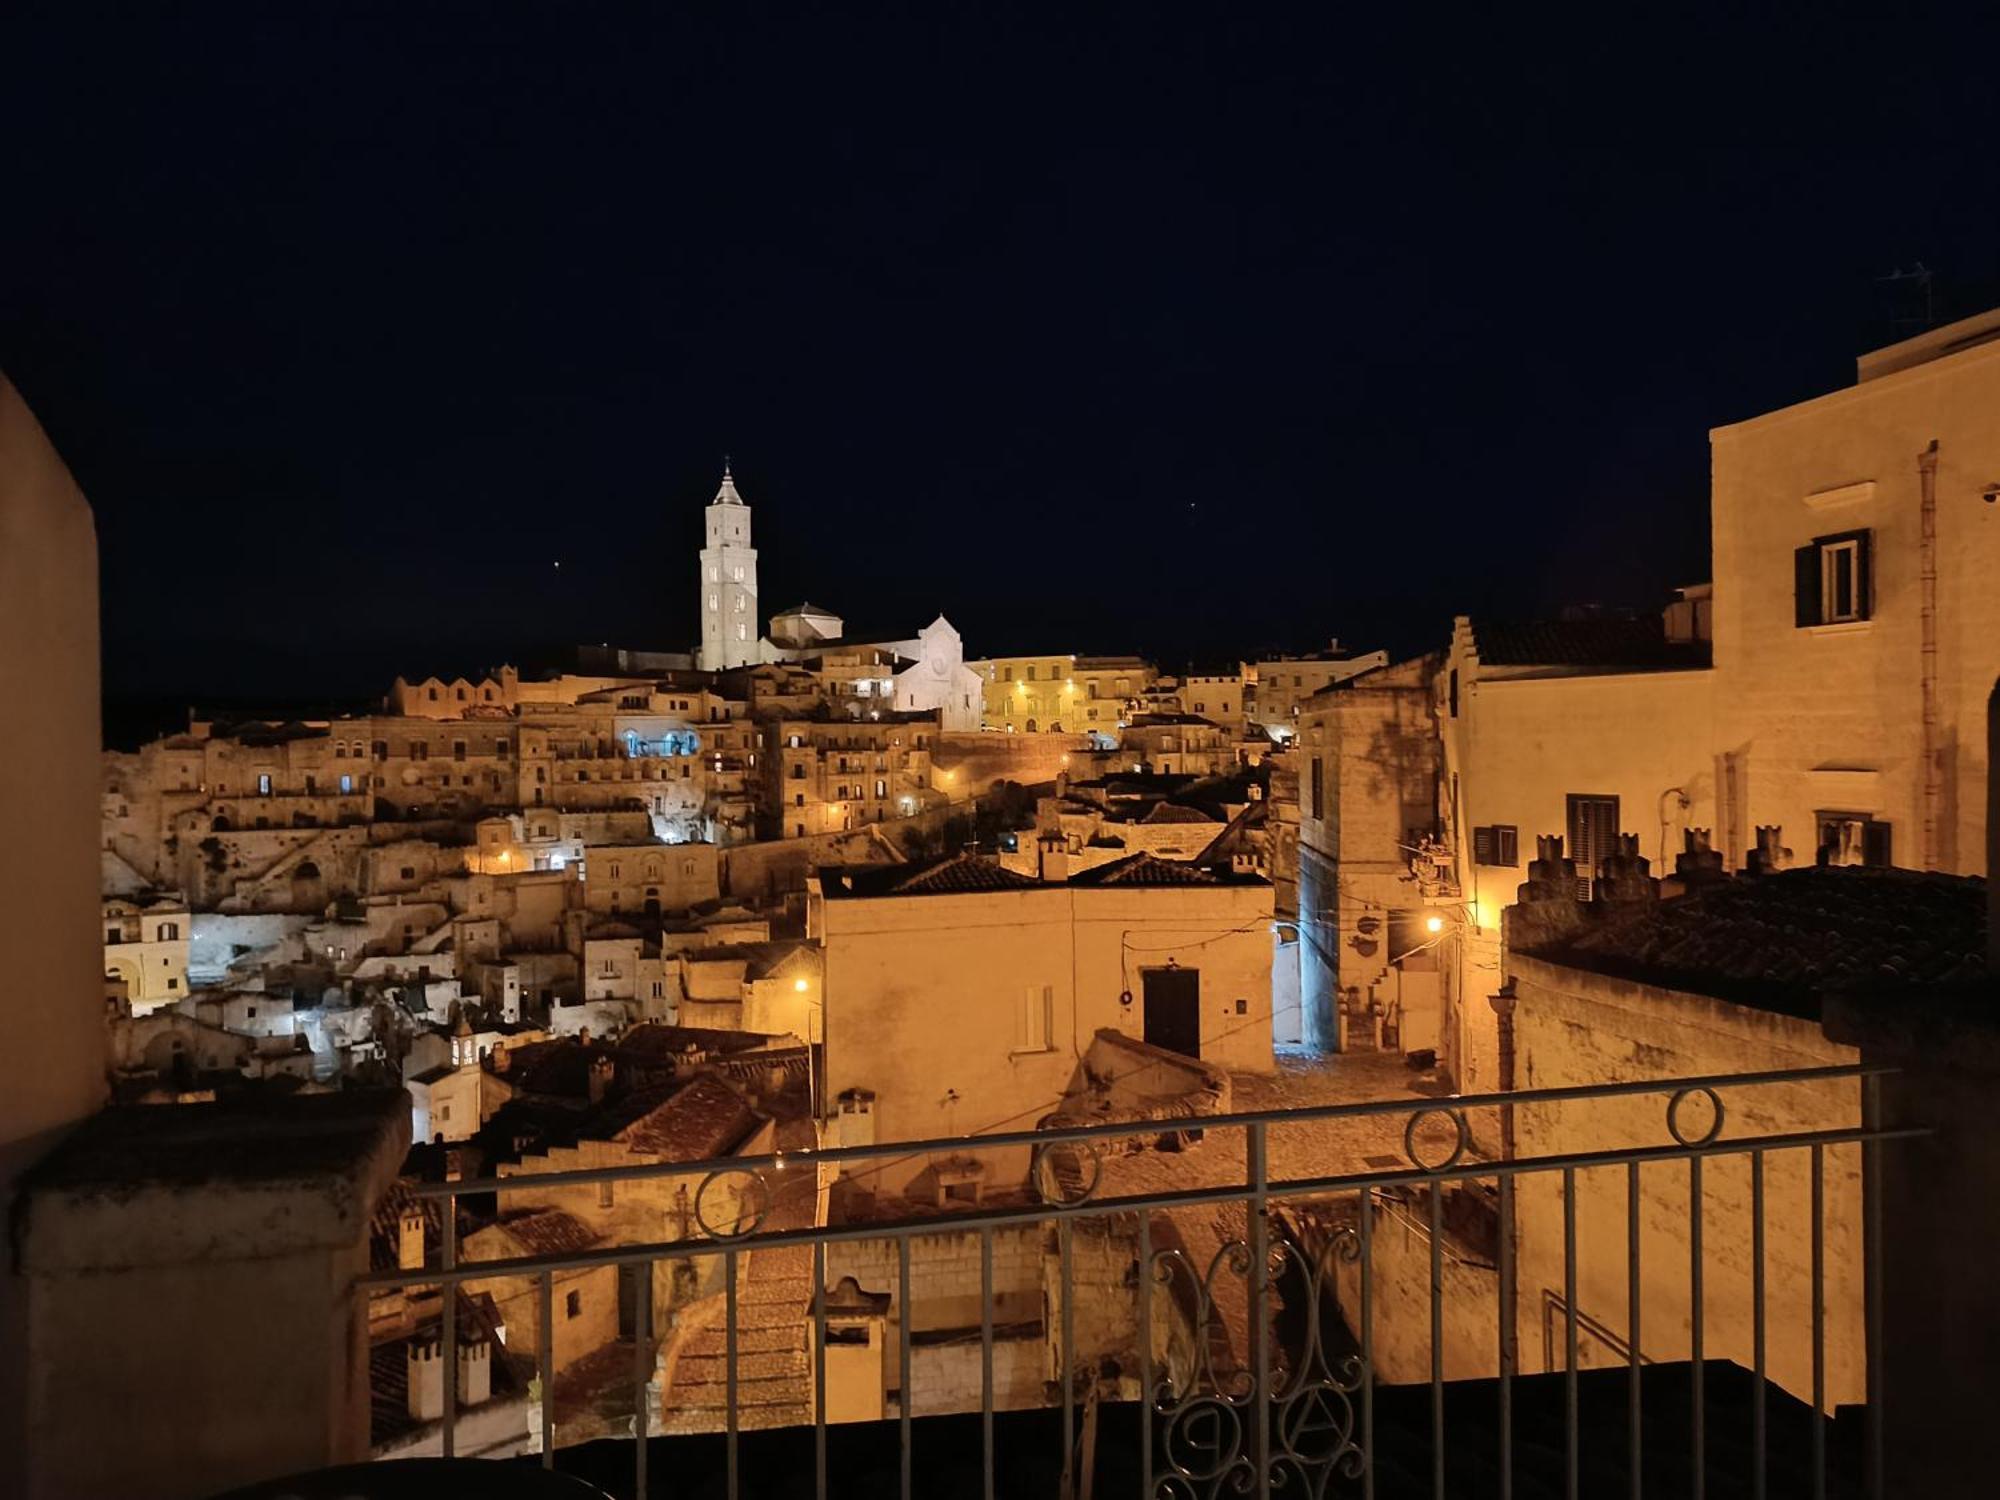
<point>1578,1028</point>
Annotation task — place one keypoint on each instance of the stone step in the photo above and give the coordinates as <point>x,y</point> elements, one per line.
<point>695,1369</point>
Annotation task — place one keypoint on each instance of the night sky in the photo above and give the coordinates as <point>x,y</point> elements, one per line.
<point>1190,333</point>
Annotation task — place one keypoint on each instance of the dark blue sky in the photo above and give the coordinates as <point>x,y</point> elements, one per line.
<point>1178,332</point>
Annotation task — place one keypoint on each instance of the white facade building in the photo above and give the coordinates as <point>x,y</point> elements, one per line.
<point>730,626</point>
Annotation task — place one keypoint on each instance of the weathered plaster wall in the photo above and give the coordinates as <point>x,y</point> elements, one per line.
<point>924,995</point>
<point>1574,1027</point>
<point>1798,702</point>
<point>53,1074</point>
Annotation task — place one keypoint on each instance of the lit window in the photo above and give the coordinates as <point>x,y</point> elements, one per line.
<point>714,600</point>
<point>346,785</point>
<point>264,786</point>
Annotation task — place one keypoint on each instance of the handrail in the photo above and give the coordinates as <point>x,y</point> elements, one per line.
<point>1450,1104</point>
<point>1552,1304</point>
<point>1090,1207</point>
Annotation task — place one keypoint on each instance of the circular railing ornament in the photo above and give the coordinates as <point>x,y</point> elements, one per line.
<point>753,1204</point>
<point>1461,1141</point>
<point>1674,1104</point>
<point>1066,1173</point>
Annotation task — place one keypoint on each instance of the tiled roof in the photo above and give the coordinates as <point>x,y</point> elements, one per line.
<point>954,874</point>
<point>706,1118</point>
<point>389,1370</point>
<point>1781,942</point>
<point>1145,869</point>
<point>1584,643</point>
<point>1173,812</point>
<point>655,1039</point>
<point>549,1231</point>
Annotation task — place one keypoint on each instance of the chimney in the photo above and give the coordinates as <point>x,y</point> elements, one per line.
<point>497,1055</point>
<point>1062,783</point>
<point>1770,855</point>
<point>1545,904</point>
<point>475,1372</point>
<point>1054,850</point>
<point>410,1239</point>
<point>601,1070</point>
<point>1624,875</point>
<point>1699,862</point>
<point>425,1365</point>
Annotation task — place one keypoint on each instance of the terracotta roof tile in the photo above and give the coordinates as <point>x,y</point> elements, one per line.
<point>1781,942</point>
<point>1584,643</point>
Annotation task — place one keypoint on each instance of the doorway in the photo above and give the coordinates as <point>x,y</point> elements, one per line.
<point>1173,1010</point>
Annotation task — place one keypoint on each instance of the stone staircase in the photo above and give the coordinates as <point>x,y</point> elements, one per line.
<point>773,1352</point>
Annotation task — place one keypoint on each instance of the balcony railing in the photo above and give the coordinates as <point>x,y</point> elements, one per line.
<point>1334,1337</point>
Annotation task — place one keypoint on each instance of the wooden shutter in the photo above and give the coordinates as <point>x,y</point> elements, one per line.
<point>1875,842</point>
<point>1864,585</point>
<point>1506,845</point>
<point>1805,585</point>
<point>1482,846</point>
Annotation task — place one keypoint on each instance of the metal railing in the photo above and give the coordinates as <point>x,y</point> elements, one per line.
<point>1215,1419</point>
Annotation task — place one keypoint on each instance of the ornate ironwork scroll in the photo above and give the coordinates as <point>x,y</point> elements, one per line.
<point>1206,1421</point>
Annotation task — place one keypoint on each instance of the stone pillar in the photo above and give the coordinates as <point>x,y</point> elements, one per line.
<point>1936,1199</point>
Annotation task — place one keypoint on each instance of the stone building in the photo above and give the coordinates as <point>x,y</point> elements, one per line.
<point>1857,628</point>
<point>1589,727</point>
<point>830,775</point>
<point>1367,773</point>
<point>958,995</point>
<point>1061,693</point>
<point>146,950</point>
<point>1276,687</point>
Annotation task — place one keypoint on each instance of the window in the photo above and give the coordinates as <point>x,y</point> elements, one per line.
<point>409,872</point>
<point>1318,787</point>
<point>1832,579</point>
<point>606,1193</point>
<point>881,787</point>
<point>742,631</point>
<point>714,600</point>
<point>420,751</point>
<point>714,573</point>
<point>1451,692</point>
<point>1496,844</point>
<point>264,785</point>
<point>340,750</point>
<point>1852,839</point>
<point>742,603</point>
<point>799,800</point>
<point>1006,674</point>
<point>444,1111</point>
<point>381,749</point>
<point>170,932</point>
<point>458,749</point>
<point>573,1305</point>
<point>737,573</point>
<point>346,785</point>
<point>1033,1023</point>
<point>173,983</point>
<point>1593,833</point>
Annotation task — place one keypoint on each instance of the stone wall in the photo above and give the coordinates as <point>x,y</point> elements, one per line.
<point>1573,1028</point>
<point>967,765</point>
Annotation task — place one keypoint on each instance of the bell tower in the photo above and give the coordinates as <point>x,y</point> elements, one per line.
<point>730,630</point>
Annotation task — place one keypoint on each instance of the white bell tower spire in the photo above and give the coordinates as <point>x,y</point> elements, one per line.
<point>730,630</point>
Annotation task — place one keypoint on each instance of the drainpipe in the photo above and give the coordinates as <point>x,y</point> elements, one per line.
<point>1927,463</point>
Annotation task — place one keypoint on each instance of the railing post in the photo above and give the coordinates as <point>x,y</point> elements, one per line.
<point>1258,1175</point>
<point>448,1294</point>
